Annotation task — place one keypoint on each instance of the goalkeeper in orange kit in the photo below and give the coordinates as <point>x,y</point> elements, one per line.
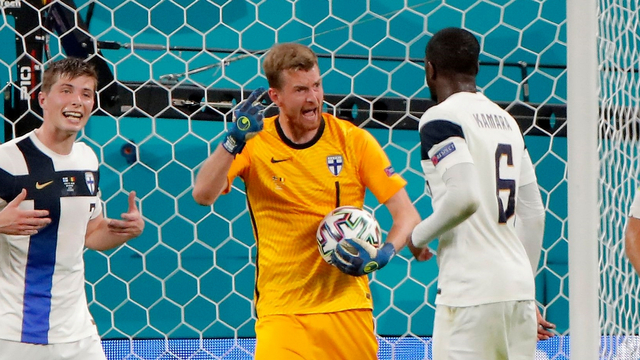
<point>297,167</point>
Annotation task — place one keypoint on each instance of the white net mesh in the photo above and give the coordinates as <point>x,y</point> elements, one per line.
<point>178,66</point>
<point>619,95</point>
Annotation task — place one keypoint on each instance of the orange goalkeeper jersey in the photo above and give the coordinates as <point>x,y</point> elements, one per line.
<point>290,188</point>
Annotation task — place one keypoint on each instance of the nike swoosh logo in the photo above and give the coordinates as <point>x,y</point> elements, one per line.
<point>42,186</point>
<point>279,160</point>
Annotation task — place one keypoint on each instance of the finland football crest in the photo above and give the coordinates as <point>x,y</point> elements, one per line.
<point>91,182</point>
<point>334,162</point>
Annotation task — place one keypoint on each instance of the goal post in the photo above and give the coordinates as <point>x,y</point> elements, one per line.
<point>583,170</point>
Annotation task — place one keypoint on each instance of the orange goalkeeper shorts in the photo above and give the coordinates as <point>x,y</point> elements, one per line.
<point>340,335</point>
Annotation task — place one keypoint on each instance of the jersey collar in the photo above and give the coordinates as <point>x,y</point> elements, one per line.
<point>306,145</point>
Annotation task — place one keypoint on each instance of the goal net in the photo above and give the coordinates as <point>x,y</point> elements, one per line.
<point>171,70</point>
<point>619,96</point>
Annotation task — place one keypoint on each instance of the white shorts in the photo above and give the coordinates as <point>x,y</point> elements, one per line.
<point>86,349</point>
<point>498,331</point>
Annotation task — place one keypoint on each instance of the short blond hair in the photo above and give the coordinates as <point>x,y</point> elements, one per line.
<point>287,56</point>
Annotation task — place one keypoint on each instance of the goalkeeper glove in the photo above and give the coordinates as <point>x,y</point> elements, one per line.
<point>358,257</point>
<point>247,122</point>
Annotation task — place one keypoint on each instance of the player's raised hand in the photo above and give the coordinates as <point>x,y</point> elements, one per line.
<point>247,122</point>
<point>14,221</point>
<point>131,224</point>
<point>357,257</point>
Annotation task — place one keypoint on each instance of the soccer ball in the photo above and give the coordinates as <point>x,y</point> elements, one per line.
<point>346,222</point>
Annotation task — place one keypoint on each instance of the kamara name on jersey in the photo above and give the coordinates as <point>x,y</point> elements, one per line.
<point>492,121</point>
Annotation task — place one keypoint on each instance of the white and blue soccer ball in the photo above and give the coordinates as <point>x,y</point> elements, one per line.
<point>346,222</point>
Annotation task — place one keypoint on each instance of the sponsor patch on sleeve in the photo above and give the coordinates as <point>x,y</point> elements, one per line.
<point>444,152</point>
<point>389,170</point>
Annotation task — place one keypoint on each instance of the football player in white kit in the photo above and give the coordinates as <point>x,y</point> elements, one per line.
<point>488,213</point>
<point>49,211</point>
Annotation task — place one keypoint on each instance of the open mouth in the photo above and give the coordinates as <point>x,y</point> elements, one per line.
<point>72,115</point>
<point>310,114</point>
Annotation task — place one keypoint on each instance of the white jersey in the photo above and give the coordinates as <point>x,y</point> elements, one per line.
<point>634,210</point>
<point>481,260</point>
<point>42,295</point>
